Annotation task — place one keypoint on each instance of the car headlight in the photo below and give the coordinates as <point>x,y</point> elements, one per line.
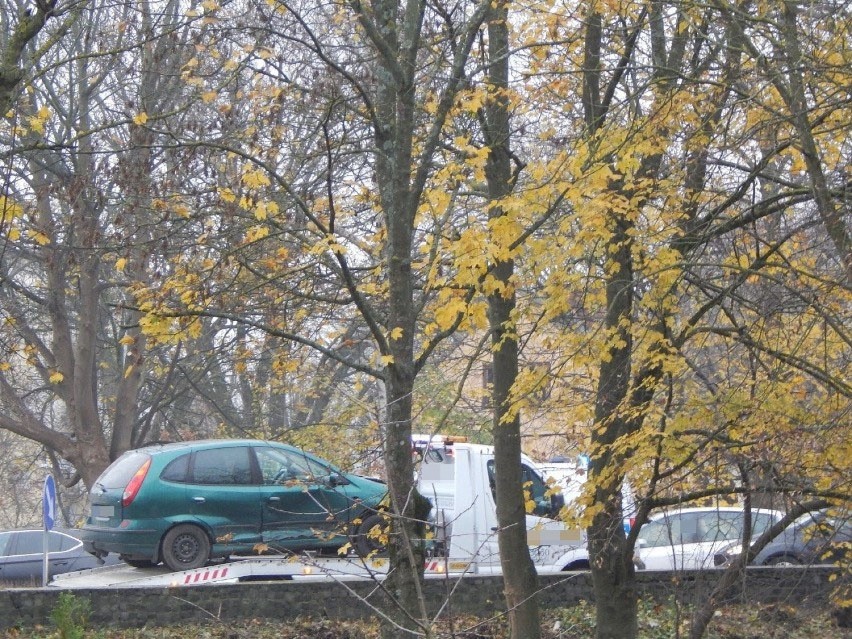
<point>727,554</point>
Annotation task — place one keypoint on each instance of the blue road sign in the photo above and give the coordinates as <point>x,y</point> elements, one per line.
<point>49,502</point>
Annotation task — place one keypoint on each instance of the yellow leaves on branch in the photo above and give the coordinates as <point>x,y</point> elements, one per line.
<point>449,313</point>
<point>10,214</point>
<point>37,121</point>
<point>254,178</point>
<point>255,234</point>
<point>40,238</point>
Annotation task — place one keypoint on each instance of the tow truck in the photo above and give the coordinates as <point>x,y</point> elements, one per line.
<point>456,476</point>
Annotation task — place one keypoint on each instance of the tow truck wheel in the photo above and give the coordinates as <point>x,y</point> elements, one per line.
<point>367,543</point>
<point>186,547</point>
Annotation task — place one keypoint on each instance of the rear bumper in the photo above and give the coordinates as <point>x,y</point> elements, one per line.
<point>133,543</point>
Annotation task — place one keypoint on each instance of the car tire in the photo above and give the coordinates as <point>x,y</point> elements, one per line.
<point>137,563</point>
<point>366,544</point>
<point>582,564</point>
<point>783,560</point>
<point>186,547</point>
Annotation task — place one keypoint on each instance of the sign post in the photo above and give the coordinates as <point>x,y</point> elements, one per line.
<point>49,517</point>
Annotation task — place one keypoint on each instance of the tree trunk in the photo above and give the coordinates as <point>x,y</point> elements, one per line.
<point>612,567</point>
<point>519,576</point>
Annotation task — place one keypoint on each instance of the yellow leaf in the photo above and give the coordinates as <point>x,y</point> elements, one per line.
<point>446,316</point>
<point>387,360</point>
<point>256,233</point>
<point>209,96</point>
<point>37,121</point>
<point>396,333</point>
<point>127,340</point>
<point>140,118</point>
<point>9,209</point>
<point>128,371</point>
<point>254,178</point>
<point>39,237</point>
<point>120,263</point>
<point>56,377</point>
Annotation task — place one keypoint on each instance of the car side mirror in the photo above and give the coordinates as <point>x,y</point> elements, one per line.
<point>557,502</point>
<point>337,480</point>
<point>641,543</point>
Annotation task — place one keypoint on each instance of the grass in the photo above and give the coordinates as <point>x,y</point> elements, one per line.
<point>656,621</point>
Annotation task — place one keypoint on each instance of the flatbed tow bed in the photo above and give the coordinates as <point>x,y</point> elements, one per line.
<point>303,568</point>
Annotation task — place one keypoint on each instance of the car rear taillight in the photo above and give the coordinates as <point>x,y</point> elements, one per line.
<point>135,483</point>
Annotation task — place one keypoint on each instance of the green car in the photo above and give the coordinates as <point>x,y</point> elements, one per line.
<point>185,503</point>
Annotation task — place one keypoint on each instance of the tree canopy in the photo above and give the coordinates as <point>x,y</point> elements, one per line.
<point>295,219</point>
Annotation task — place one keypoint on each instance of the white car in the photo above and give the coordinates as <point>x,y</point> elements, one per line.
<point>688,538</point>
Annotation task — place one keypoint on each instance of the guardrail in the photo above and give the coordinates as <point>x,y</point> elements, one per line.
<point>482,595</point>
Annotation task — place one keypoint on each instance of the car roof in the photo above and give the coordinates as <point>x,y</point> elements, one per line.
<point>71,532</point>
<point>708,509</point>
<point>206,443</point>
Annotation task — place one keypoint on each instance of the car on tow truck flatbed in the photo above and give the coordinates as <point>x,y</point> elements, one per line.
<point>186,503</point>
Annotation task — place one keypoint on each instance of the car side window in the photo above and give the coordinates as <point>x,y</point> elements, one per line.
<point>222,466</point>
<point>693,527</point>
<point>716,526</point>
<point>661,532</point>
<point>536,485</point>
<point>281,467</point>
<point>5,543</point>
<point>31,542</point>
<point>177,470</point>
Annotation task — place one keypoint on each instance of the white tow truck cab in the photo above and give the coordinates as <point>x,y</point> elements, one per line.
<point>457,477</point>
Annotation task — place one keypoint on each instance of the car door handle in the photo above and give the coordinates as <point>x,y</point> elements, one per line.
<point>274,500</point>
<point>199,500</point>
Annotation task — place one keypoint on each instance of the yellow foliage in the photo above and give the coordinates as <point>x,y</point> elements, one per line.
<point>448,314</point>
<point>9,210</point>
<point>255,178</point>
<point>256,233</point>
<point>39,237</point>
<point>37,122</point>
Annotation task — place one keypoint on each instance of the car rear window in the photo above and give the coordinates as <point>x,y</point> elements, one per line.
<point>122,470</point>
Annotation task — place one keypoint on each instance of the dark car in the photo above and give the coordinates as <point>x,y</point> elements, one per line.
<point>22,555</point>
<point>814,538</point>
<point>185,503</point>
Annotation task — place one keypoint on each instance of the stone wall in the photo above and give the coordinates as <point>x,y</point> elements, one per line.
<point>136,607</point>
